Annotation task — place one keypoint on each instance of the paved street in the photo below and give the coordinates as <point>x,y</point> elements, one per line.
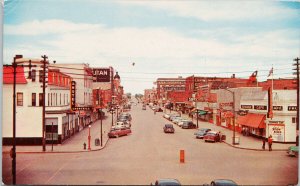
<point>148,154</point>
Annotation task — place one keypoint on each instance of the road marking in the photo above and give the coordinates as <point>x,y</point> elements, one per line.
<point>59,170</point>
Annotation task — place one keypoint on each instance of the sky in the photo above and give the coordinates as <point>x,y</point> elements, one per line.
<point>162,38</point>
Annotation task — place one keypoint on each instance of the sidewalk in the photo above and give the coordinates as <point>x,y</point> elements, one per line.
<point>75,142</point>
<point>246,142</point>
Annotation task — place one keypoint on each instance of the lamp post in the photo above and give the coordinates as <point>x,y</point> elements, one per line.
<point>112,116</point>
<point>233,110</point>
<point>117,108</point>
<point>101,104</point>
<point>89,138</point>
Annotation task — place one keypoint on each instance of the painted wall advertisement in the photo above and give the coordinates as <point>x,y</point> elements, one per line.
<point>277,130</point>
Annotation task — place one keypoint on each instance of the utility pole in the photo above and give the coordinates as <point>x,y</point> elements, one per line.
<point>14,124</point>
<point>297,117</point>
<point>13,150</point>
<point>100,103</point>
<point>44,108</point>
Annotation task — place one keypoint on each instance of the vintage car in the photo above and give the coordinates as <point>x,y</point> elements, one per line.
<point>121,124</point>
<point>213,136</point>
<point>223,182</point>
<point>188,125</point>
<point>201,133</point>
<point>114,132</point>
<point>168,128</point>
<point>293,151</point>
<point>165,182</point>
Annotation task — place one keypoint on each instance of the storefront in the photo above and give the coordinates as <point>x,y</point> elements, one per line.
<point>252,124</point>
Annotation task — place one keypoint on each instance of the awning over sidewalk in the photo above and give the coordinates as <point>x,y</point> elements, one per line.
<point>200,112</point>
<point>252,120</point>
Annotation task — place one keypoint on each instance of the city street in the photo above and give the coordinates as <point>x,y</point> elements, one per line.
<point>149,154</point>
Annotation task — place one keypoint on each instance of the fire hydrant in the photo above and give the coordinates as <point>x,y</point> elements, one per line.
<point>84,146</point>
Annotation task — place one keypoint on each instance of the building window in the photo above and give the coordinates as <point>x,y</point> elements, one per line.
<point>59,98</point>
<point>33,99</point>
<point>293,119</point>
<point>19,99</point>
<point>41,103</point>
<point>55,99</point>
<point>33,73</point>
<point>48,99</point>
<point>41,75</point>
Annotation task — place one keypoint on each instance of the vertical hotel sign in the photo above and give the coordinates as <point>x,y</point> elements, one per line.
<point>101,74</point>
<point>73,94</point>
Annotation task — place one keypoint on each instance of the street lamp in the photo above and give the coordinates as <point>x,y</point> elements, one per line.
<point>89,138</point>
<point>233,110</point>
<point>100,103</point>
<point>112,116</point>
<point>117,107</point>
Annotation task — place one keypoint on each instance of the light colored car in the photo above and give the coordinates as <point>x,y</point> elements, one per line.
<point>173,117</point>
<point>120,124</point>
<point>176,120</point>
<point>166,182</point>
<point>167,116</point>
<point>180,123</point>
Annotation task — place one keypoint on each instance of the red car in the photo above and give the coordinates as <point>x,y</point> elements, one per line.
<point>168,128</point>
<point>213,136</point>
<point>119,132</point>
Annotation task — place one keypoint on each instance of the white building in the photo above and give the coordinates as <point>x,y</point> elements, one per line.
<point>29,101</point>
<point>282,125</point>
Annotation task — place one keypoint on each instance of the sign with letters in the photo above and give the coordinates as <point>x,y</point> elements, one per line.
<point>277,131</point>
<point>246,107</point>
<point>101,75</point>
<point>292,108</point>
<point>260,107</point>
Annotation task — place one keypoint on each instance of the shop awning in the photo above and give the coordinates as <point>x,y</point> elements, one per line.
<point>200,112</point>
<point>252,120</point>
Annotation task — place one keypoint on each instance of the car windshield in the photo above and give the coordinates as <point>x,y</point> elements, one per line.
<point>169,126</point>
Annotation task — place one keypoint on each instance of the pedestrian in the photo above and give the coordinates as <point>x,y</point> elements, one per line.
<point>264,144</point>
<point>270,141</point>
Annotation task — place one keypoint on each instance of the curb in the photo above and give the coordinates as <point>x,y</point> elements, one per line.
<point>245,148</point>
<point>53,152</point>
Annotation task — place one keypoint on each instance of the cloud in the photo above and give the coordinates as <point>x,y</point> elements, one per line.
<point>217,10</point>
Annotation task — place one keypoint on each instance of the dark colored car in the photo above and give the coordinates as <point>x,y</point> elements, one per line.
<point>166,182</point>
<point>158,109</point>
<point>119,132</point>
<point>212,136</point>
<point>188,125</point>
<point>223,182</point>
<point>168,128</point>
<point>201,133</point>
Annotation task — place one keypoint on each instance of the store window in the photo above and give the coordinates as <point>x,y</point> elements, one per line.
<point>33,99</point>
<point>20,99</point>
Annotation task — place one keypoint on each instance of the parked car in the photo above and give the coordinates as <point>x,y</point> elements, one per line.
<point>168,128</point>
<point>126,115</point>
<point>201,133</point>
<point>121,124</point>
<point>173,117</point>
<point>188,125</point>
<point>118,132</point>
<point>180,123</point>
<point>213,136</point>
<point>167,116</point>
<point>223,182</point>
<point>176,120</point>
<point>158,109</point>
<point>166,182</point>
<point>293,151</point>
